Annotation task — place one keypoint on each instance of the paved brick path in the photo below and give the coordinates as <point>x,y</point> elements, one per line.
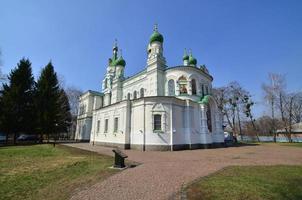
<point>162,174</point>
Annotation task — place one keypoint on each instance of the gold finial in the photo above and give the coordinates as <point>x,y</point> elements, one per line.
<point>190,52</point>
<point>121,53</point>
<point>185,52</point>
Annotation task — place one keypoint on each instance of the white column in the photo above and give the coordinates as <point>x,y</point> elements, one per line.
<point>204,125</point>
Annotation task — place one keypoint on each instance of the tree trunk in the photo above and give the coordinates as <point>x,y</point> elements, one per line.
<point>239,124</point>
<point>15,138</point>
<point>233,122</point>
<point>6,139</point>
<point>273,120</point>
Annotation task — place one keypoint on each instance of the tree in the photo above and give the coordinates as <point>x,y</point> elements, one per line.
<point>2,75</point>
<point>273,94</point>
<point>284,105</point>
<point>73,95</point>
<point>230,100</point>
<point>248,112</point>
<point>17,101</point>
<point>297,108</point>
<point>64,115</point>
<point>47,103</point>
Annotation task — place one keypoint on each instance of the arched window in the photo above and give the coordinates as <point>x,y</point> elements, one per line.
<point>128,96</point>
<point>207,89</point>
<point>202,89</point>
<point>134,95</point>
<point>142,92</point>
<point>105,84</point>
<point>182,81</point>
<point>193,86</point>
<point>209,120</point>
<point>171,87</point>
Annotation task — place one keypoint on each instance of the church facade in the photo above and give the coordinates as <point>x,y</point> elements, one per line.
<point>159,108</point>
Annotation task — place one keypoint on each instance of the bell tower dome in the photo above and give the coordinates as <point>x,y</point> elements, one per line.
<point>155,48</point>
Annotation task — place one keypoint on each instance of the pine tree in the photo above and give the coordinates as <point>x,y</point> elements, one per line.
<point>17,101</point>
<point>65,114</point>
<point>48,101</point>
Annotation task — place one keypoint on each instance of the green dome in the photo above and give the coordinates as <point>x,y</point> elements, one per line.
<point>156,37</point>
<point>185,57</point>
<point>192,60</point>
<point>120,61</point>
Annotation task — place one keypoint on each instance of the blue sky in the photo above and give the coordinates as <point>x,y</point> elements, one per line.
<point>238,40</point>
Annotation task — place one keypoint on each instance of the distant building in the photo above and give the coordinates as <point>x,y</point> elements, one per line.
<point>295,132</point>
<point>159,108</point>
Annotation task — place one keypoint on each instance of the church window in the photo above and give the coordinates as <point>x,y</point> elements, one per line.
<point>128,96</point>
<point>134,95</point>
<point>207,89</point>
<point>157,122</point>
<point>98,126</point>
<point>202,90</point>
<point>171,87</point>
<point>83,130</point>
<point>142,92</point>
<point>182,81</point>
<point>209,118</point>
<point>105,84</point>
<point>106,125</point>
<point>193,86</point>
<point>115,124</point>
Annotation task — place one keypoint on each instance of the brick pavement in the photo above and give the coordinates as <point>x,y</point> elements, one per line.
<point>162,174</point>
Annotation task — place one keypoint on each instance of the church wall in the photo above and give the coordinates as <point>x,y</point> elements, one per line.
<point>189,73</point>
<point>83,129</point>
<point>84,121</point>
<point>111,137</point>
<point>134,84</point>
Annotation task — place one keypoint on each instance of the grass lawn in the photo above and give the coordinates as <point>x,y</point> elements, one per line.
<point>45,172</point>
<point>292,144</point>
<point>249,183</point>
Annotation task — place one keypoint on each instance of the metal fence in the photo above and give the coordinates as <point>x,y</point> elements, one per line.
<point>268,139</point>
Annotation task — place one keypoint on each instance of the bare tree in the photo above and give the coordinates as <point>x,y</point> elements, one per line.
<point>273,94</point>
<point>230,100</point>
<point>297,108</point>
<point>287,106</point>
<point>248,103</point>
<point>73,95</point>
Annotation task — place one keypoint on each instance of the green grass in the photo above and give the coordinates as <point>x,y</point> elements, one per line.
<point>292,144</point>
<point>249,183</point>
<point>45,172</point>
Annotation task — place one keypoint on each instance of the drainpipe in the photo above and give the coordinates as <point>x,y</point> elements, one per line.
<point>144,130</point>
<point>188,123</point>
<point>171,125</point>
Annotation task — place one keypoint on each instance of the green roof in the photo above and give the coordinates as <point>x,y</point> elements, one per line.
<point>120,61</point>
<point>192,60</point>
<point>95,93</point>
<point>156,37</point>
<point>185,57</point>
<point>205,99</point>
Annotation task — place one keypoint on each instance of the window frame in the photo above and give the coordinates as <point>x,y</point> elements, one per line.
<point>156,124</point>
<point>106,125</point>
<point>194,87</point>
<point>98,126</point>
<point>115,124</point>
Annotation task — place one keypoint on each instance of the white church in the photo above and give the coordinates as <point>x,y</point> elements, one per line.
<point>158,108</point>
